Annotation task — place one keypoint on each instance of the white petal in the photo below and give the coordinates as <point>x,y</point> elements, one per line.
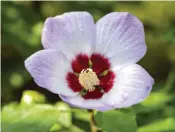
<point>70,33</point>
<point>120,37</point>
<point>78,101</point>
<point>49,69</point>
<point>132,85</point>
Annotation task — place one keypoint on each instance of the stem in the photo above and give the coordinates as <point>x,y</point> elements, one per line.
<point>92,121</point>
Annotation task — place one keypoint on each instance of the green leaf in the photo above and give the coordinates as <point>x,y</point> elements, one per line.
<point>139,108</point>
<point>81,120</point>
<point>165,125</point>
<point>31,97</point>
<point>38,118</point>
<point>56,127</point>
<point>65,117</point>
<point>156,100</point>
<point>116,121</point>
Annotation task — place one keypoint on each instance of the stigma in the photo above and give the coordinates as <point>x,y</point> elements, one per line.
<point>88,79</point>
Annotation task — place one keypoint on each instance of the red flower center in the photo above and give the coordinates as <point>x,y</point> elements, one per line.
<point>100,65</point>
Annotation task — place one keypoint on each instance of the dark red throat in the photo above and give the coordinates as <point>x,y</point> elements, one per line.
<point>99,65</point>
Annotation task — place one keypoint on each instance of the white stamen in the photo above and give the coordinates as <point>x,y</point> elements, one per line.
<point>88,79</point>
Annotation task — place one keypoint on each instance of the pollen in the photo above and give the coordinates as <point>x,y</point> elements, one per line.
<point>88,79</point>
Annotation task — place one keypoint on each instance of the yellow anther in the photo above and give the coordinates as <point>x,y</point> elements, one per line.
<point>88,79</point>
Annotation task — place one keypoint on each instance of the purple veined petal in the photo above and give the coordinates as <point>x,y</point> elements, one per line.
<point>132,85</point>
<point>120,37</point>
<point>49,69</point>
<point>71,33</point>
<point>78,101</point>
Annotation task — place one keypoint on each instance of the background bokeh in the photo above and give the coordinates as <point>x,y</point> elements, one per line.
<point>27,107</point>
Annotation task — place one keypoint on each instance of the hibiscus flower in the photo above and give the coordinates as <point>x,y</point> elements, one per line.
<point>92,66</point>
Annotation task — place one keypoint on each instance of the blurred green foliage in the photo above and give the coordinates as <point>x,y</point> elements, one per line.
<point>26,107</point>
<point>116,121</point>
